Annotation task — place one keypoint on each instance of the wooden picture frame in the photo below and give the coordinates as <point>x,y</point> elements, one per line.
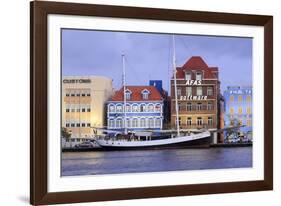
<point>39,11</point>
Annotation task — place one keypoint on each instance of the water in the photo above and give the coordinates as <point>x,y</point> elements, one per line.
<point>112,162</point>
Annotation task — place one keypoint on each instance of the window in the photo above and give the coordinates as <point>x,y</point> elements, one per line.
<point>83,110</point>
<point>240,110</point>
<point>249,122</point>
<point>118,108</point>
<point>231,98</point>
<point>240,98</point>
<point>88,94</point>
<point>158,122</point>
<point>142,122</point>
<point>78,110</point>
<point>119,123</point>
<point>188,76</point>
<point>77,94</point>
<point>188,106</point>
<point>178,91</point>
<point>249,110</point>
<point>231,110</point>
<point>67,94</point>
<point>67,110</point>
<point>158,107</point>
<point>210,106</point>
<point>188,91</point>
<point>135,108</point>
<point>210,91</point>
<point>150,107</point>
<point>198,76</point>
<point>199,91</point>
<point>210,121</point>
<point>72,125</point>
<point>111,123</point>
<point>67,125</point>
<point>77,124</point>
<point>189,121</point>
<point>88,124</point>
<point>83,124</point>
<point>249,98</point>
<point>240,122</point>
<point>199,106</point>
<point>145,94</point>
<point>150,123</point>
<point>128,108</point>
<point>128,123</point>
<point>142,108</point>
<point>135,122</point>
<point>199,121</point>
<point>128,95</point>
<point>72,94</point>
<point>111,108</point>
<point>83,95</point>
<point>73,110</point>
<point>179,106</point>
<point>179,119</point>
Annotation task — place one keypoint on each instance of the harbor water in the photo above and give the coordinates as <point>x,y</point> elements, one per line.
<point>114,162</point>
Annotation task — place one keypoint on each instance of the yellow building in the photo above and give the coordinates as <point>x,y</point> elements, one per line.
<point>83,103</point>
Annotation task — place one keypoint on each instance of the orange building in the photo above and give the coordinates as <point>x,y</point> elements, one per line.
<point>199,97</point>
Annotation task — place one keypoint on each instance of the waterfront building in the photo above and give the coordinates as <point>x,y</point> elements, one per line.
<point>199,97</point>
<point>83,100</point>
<point>238,109</point>
<point>144,109</point>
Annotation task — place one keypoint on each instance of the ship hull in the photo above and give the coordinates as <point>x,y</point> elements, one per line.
<point>201,142</point>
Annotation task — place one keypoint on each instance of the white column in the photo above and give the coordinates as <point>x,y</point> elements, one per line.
<point>215,138</point>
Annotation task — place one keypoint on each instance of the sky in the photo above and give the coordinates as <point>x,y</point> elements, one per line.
<point>149,56</point>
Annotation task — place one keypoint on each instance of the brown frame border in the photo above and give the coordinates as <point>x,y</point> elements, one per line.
<point>38,102</point>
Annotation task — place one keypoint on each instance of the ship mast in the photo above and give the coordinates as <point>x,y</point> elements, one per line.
<point>175,85</point>
<point>124,93</point>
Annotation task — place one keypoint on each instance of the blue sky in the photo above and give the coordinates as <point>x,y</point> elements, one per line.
<point>149,56</point>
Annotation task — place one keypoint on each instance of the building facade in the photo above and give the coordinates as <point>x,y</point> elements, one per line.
<point>238,109</point>
<point>83,102</point>
<point>199,97</point>
<point>144,109</point>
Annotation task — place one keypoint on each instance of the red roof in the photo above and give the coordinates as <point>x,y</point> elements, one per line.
<point>197,63</point>
<point>136,95</point>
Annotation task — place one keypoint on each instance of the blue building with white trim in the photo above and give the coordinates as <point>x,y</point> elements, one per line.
<point>144,109</point>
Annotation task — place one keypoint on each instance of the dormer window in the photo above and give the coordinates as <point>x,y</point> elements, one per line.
<point>145,94</point>
<point>128,94</point>
<point>187,76</point>
<point>198,76</point>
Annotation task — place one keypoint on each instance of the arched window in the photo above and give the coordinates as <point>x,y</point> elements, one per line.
<point>135,123</point>
<point>118,123</point>
<point>150,122</point>
<point>119,108</point>
<point>150,108</point>
<point>135,108</point>
<point>142,123</point>
<point>142,108</point>
<point>111,108</point>
<point>158,107</point>
<point>158,123</point>
<point>111,123</point>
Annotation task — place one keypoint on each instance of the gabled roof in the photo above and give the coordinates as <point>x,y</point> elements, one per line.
<point>197,63</point>
<point>136,95</point>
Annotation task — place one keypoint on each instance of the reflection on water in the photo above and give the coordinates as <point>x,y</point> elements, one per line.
<point>112,162</point>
